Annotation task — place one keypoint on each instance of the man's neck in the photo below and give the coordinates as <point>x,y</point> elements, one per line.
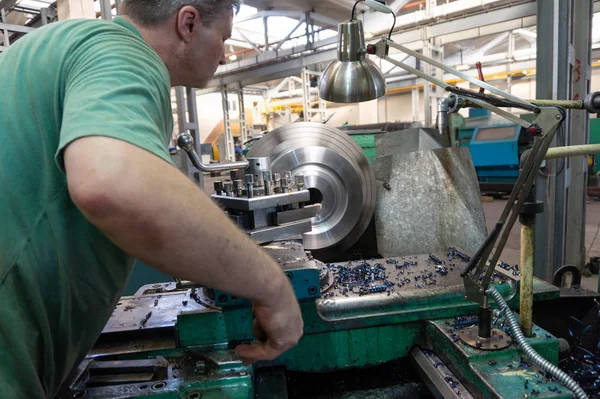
<point>156,38</point>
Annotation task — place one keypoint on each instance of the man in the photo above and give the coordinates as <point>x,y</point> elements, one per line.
<point>87,185</point>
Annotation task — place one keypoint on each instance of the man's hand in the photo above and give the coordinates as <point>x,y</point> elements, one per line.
<point>277,327</point>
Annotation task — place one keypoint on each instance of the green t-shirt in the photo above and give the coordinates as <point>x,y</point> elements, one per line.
<point>60,277</point>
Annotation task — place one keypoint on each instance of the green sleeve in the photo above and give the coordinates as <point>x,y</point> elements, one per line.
<point>116,86</point>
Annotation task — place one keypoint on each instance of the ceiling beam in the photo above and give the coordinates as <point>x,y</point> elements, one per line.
<point>271,13</point>
<point>266,66</point>
<point>7,4</point>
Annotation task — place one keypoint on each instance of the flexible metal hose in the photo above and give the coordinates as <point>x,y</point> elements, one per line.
<point>535,357</point>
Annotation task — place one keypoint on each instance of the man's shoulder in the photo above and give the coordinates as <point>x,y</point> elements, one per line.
<point>72,27</point>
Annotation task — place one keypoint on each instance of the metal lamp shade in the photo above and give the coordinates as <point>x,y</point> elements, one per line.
<point>353,77</point>
<point>351,82</point>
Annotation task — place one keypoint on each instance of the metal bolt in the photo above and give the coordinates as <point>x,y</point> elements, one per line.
<point>249,179</point>
<point>266,175</point>
<point>479,343</point>
<point>276,183</point>
<point>312,290</point>
<point>218,187</point>
<point>200,367</point>
<point>228,186</point>
<point>238,187</point>
<point>557,117</point>
<point>222,298</point>
<point>284,185</point>
<point>299,182</point>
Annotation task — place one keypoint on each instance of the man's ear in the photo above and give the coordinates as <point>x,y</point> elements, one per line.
<point>188,21</point>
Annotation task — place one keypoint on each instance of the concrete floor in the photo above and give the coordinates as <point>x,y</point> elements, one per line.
<point>511,253</point>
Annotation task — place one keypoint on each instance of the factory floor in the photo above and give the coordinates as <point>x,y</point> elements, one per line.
<point>511,251</point>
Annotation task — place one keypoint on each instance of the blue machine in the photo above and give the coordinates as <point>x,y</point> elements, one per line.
<point>495,150</point>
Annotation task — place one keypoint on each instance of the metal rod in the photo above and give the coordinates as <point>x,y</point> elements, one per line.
<point>572,151</point>
<point>537,161</point>
<point>285,39</point>
<point>186,142</point>
<point>502,113</point>
<point>568,104</point>
<point>484,327</point>
<point>444,85</point>
<point>453,71</point>
<point>266,33</point>
<point>250,42</point>
<point>527,252</point>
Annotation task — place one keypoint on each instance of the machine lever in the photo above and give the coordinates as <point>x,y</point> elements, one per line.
<point>480,73</point>
<point>186,142</point>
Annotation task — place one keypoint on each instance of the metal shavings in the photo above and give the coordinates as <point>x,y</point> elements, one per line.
<point>492,362</point>
<point>194,295</point>
<point>155,302</point>
<point>365,277</point>
<point>441,269</point>
<point>583,365</point>
<point>516,271</point>
<point>184,303</point>
<point>524,364</point>
<point>554,389</point>
<point>461,322</point>
<point>453,254</point>
<point>435,259</point>
<point>128,307</point>
<point>453,384</point>
<point>145,320</point>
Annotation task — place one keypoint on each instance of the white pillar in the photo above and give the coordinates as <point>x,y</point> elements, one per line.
<point>367,112</point>
<point>70,9</point>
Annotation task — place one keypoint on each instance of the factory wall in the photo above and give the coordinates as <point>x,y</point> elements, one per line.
<point>210,112</point>
<point>387,109</point>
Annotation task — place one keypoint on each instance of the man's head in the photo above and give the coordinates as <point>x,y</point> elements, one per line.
<point>189,35</point>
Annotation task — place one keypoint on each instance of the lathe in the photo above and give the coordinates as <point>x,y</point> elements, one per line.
<point>176,339</point>
<point>307,192</point>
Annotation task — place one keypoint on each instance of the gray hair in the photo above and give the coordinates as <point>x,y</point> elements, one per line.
<point>155,12</point>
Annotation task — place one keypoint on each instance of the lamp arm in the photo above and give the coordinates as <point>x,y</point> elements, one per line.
<point>381,51</point>
<point>470,79</point>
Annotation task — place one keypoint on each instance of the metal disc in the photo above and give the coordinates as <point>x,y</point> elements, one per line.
<point>334,167</point>
<point>498,339</point>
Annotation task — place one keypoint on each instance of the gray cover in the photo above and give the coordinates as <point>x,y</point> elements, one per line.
<point>409,140</point>
<point>433,202</point>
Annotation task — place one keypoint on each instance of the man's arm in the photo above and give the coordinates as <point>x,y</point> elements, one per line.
<point>154,213</point>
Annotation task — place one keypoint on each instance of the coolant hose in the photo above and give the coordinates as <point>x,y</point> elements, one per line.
<point>535,357</point>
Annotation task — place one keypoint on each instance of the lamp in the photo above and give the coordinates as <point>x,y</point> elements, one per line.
<point>353,77</point>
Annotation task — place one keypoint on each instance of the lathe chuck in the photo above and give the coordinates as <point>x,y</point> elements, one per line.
<point>336,172</point>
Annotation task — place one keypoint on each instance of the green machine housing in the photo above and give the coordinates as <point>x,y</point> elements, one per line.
<point>173,340</point>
